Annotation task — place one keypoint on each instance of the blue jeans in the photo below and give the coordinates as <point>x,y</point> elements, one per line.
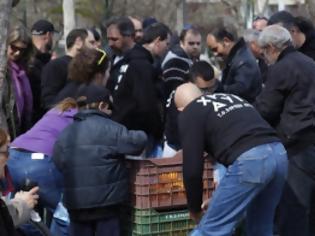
<point>60,222</point>
<point>59,228</point>
<point>43,171</point>
<point>251,188</point>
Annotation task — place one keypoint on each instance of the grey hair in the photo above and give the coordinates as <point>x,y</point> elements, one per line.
<point>251,35</point>
<point>276,35</point>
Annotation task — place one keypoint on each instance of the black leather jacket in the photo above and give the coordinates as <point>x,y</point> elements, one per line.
<point>241,75</point>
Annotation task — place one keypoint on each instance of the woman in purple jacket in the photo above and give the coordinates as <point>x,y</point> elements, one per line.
<point>30,153</point>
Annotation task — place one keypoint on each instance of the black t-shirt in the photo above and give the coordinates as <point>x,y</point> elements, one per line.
<point>222,125</point>
<point>54,78</point>
<point>171,118</point>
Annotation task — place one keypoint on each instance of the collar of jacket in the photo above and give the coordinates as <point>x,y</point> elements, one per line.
<point>138,52</point>
<point>179,51</point>
<point>83,114</point>
<point>286,51</point>
<point>239,44</point>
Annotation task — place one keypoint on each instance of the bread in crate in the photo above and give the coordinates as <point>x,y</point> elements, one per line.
<point>158,183</point>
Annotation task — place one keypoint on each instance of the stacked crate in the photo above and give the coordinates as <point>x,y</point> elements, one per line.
<point>159,198</point>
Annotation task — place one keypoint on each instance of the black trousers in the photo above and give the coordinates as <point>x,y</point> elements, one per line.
<point>104,227</point>
<point>297,206</point>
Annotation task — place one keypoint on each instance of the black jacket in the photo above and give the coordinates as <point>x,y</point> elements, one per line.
<point>35,67</point>
<point>135,97</point>
<point>241,75</point>
<point>288,100</point>
<point>89,153</point>
<point>54,78</point>
<point>308,48</point>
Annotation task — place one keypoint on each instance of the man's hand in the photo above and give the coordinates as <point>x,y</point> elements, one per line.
<point>204,205</point>
<point>30,197</point>
<point>196,216</point>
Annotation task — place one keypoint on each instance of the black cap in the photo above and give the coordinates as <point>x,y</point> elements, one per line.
<point>148,21</point>
<point>282,17</point>
<point>93,94</point>
<point>41,27</point>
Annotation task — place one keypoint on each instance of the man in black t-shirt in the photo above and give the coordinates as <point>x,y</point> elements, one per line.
<point>201,73</point>
<point>55,73</point>
<point>231,131</point>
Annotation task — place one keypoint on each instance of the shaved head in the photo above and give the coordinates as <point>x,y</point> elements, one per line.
<point>185,94</point>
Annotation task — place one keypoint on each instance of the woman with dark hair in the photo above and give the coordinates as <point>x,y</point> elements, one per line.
<point>90,65</point>
<point>17,96</point>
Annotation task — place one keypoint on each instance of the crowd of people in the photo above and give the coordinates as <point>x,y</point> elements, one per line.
<point>143,90</point>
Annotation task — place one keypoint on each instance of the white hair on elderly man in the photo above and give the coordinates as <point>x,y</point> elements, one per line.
<point>275,35</point>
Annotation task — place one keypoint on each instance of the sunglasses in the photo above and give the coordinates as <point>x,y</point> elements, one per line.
<point>16,48</point>
<point>102,57</point>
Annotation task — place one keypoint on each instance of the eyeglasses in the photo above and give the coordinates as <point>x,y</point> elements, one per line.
<point>102,57</point>
<point>16,48</point>
<point>193,43</point>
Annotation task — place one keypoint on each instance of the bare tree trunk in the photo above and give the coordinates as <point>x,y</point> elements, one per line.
<point>68,7</point>
<point>180,16</point>
<point>5,12</point>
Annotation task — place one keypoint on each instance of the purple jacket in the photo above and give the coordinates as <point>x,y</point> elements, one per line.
<point>22,92</point>
<point>41,138</point>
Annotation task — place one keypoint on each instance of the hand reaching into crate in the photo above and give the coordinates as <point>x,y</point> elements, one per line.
<point>204,205</point>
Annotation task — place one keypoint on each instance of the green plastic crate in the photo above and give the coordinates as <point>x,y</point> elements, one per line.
<point>171,223</point>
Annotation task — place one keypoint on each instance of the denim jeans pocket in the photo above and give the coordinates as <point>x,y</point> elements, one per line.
<point>253,170</point>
